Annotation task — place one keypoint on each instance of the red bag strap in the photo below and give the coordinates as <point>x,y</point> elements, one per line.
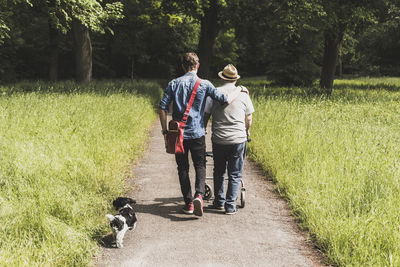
<point>189,105</point>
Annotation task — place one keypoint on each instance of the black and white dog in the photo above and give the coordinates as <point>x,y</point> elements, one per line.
<point>125,219</point>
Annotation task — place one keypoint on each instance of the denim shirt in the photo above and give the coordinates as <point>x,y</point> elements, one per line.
<point>179,91</point>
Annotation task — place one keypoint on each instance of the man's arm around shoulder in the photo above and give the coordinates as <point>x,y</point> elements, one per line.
<point>214,93</point>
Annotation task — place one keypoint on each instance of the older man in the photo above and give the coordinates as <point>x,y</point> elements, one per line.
<point>230,131</point>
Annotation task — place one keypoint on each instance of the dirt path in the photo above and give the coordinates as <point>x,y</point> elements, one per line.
<point>261,234</point>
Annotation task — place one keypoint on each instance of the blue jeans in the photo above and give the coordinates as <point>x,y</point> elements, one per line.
<point>229,157</point>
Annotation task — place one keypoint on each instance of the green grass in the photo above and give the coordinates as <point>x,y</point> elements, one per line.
<point>337,160</point>
<point>388,83</point>
<point>66,152</point>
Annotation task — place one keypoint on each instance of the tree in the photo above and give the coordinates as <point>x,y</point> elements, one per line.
<point>7,9</point>
<point>371,56</point>
<point>81,17</point>
<point>208,33</point>
<point>342,16</point>
<point>53,42</point>
<point>284,43</point>
<point>83,51</point>
<point>212,16</point>
<point>149,38</point>
<point>25,33</point>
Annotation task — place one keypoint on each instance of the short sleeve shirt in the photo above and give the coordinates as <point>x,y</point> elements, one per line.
<point>228,121</point>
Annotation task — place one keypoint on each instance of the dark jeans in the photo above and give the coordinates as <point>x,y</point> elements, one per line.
<point>197,148</point>
<point>229,157</point>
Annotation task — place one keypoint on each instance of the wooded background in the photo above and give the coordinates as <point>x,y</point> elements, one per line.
<point>292,42</point>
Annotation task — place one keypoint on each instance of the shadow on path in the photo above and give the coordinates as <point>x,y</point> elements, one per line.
<point>262,234</point>
<point>169,208</point>
<point>107,241</point>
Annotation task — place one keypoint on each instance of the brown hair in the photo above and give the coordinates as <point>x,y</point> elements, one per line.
<point>190,61</point>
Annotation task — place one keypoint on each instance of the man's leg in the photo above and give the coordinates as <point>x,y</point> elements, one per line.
<point>198,150</point>
<point>218,174</point>
<point>183,172</point>
<point>235,168</point>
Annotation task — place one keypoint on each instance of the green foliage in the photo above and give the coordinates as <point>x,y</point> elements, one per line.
<point>285,43</point>
<point>144,38</point>
<point>91,13</point>
<point>225,50</point>
<point>65,156</point>
<point>147,42</point>
<point>193,8</point>
<point>293,62</point>
<point>337,161</point>
<point>23,54</point>
<point>377,57</point>
<point>4,29</point>
<point>7,9</point>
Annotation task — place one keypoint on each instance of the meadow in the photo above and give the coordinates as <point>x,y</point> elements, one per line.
<point>66,152</point>
<point>337,161</point>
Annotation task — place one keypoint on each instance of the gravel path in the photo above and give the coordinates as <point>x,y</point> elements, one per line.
<point>261,234</point>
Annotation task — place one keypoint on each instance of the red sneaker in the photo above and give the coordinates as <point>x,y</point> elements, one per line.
<point>188,208</point>
<point>198,205</point>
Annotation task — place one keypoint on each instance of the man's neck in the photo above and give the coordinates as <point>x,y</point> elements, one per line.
<point>230,83</point>
<point>193,71</point>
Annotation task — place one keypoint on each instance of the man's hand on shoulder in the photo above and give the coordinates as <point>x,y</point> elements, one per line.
<point>244,89</point>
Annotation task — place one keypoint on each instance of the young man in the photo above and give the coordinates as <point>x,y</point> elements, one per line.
<point>179,91</point>
<point>230,131</point>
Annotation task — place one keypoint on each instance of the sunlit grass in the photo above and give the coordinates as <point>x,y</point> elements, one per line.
<point>66,151</point>
<point>64,157</point>
<point>387,83</point>
<point>337,160</point>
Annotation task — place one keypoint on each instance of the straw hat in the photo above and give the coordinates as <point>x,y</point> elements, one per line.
<point>229,73</point>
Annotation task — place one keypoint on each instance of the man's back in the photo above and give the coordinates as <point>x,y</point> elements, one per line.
<point>179,91</point>
<point>228,123</point>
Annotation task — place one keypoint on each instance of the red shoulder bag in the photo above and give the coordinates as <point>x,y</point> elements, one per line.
<point>176,128</point>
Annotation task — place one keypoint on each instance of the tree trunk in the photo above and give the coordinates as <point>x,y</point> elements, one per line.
<point>331,52</point>
<point>208,33</point>
<point>83,52</point>
<point>53,47</point>
<point>339,67</point>
<point>132,68</point>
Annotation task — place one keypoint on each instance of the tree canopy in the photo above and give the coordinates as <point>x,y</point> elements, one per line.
<point>292,42</point>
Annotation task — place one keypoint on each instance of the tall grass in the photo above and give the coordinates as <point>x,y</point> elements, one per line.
<point>387,83</point>
<point>337,160</point>
<point>65,154</point>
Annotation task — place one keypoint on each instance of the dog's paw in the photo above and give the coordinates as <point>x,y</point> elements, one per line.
<point>120,245</point>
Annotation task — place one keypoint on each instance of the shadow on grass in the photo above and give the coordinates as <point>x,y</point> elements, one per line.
<point>368,86</point>
<point>262,87</point>
<point>147,88</point>
<point>107,241</point>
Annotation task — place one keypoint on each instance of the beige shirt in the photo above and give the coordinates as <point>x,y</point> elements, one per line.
<point>228,121</point>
